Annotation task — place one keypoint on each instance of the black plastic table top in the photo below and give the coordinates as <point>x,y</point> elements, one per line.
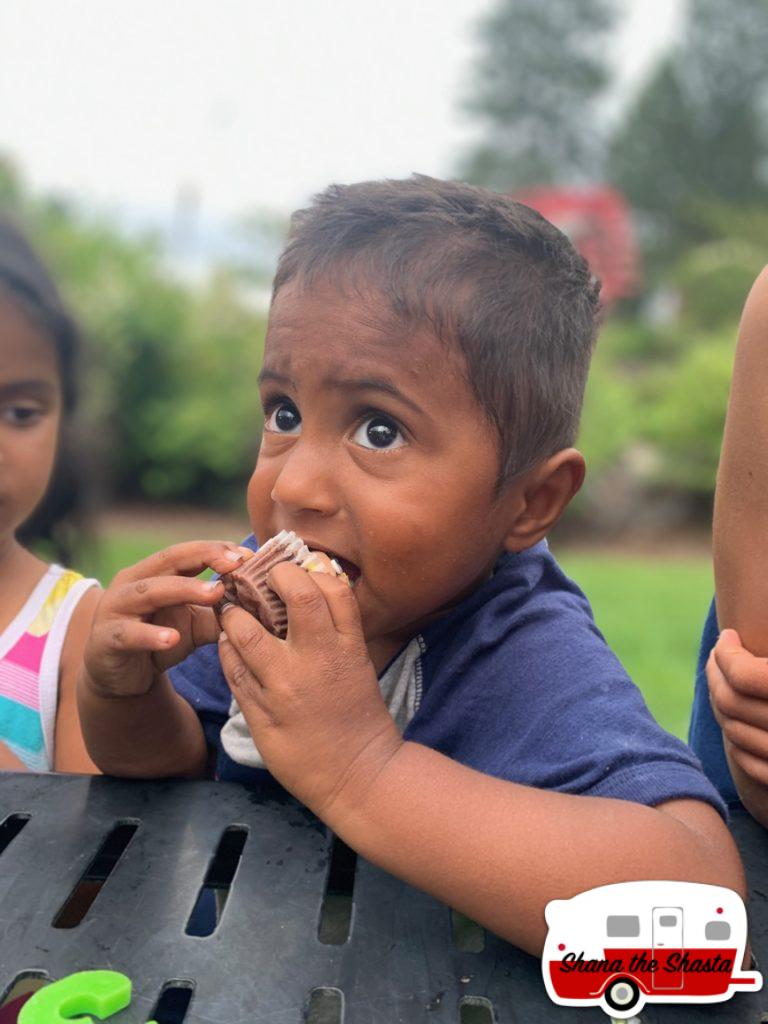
<point>399,964</point>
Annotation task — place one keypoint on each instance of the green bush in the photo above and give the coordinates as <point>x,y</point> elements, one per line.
<point>685,413</point>
<point>609,418</point>
<point>714,281</point>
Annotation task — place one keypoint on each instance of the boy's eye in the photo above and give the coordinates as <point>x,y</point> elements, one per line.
<point>283,419</point>
<point>21,415</point>
<point>378,432</point>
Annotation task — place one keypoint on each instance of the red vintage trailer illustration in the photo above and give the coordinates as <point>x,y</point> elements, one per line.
<point>622,946</point>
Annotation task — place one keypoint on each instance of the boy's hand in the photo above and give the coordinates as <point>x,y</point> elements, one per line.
<point>153,615</point>
<point>738,691</point>
<point>311,701</point>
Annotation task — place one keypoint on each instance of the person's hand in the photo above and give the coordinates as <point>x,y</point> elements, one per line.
<point>153,615</point>
<point>738,692</point>
<point>311,701</point>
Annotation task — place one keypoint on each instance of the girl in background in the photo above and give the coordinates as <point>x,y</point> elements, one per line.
<point>45,609</point>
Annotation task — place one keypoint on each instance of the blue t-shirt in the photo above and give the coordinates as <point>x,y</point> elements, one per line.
<point>704,734</point>
<point>517,682</point>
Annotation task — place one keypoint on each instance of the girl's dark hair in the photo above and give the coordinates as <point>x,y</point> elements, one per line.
<point>491,276</point>
<point>59,520</point>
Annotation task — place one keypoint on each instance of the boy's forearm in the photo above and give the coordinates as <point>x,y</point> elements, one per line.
<point>498,851</point>
<point>155,735</point>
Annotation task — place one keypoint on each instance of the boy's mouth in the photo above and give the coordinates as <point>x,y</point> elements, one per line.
<point>353,571</point>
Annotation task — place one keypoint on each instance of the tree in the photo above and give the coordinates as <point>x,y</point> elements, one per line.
<point>538,78</point>
<point>697,133</point>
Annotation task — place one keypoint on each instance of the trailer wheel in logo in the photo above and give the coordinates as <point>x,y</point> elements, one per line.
<point>622,994</point>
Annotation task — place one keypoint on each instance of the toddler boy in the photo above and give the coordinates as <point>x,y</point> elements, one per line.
<point>424,368</point>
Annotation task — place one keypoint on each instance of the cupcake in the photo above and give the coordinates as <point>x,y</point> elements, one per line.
<point>246,585</point>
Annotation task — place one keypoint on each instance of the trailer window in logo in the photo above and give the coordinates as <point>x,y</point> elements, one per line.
<point>668,920</point>
<point>717,930</point>
<point>622,926</point>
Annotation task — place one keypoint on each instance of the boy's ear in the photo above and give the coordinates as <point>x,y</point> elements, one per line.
<point>542,496</point>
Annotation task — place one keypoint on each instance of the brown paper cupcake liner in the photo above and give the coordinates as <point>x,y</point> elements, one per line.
<point>246,585</point>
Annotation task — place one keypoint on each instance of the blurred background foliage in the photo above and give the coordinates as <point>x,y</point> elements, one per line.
<point>170,411</point>
<point>171,405</point>
<point>689,151</point>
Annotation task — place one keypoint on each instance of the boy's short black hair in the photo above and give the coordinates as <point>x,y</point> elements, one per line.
<point>489,274</point>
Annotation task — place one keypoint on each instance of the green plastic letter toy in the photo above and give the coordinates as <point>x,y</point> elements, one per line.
<point>100,992</point>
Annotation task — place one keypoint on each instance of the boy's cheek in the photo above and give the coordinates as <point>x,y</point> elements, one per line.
<point>258,502</point>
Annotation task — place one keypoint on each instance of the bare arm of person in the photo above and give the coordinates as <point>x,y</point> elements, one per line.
<point>741,499</point>
<point>9,762</point>
<point>738,680</point>
<point>70,754</point>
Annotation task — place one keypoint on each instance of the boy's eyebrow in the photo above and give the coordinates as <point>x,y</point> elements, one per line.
<point>349,384</point>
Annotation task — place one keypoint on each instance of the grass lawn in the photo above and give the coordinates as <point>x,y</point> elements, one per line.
<point>650,611</point>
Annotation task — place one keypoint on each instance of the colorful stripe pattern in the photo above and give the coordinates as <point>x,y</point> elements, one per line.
<point>21,727</point>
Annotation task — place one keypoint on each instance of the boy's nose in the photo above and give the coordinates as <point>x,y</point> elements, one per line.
<point>305,481</point>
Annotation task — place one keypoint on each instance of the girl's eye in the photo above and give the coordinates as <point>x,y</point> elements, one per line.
<point>379,432</point>
<point>283,419</point>
<point>21,415</point>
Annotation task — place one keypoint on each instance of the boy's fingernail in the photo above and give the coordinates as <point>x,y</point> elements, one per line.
<point>223,636</point>
<point>233,556</point>
<point>164,636</point>
<point>211,584</point>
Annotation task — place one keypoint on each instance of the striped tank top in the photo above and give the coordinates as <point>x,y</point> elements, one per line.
<point>30,653</point>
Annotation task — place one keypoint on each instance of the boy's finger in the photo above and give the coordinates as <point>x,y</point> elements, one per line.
<point>342,604</point>
<point>198,627</point>
<point>245,686</point>
<point>122,635</point>
<point>205,626</point>
<point>188,559</point>
<point>742,670</point>
<point>309,618</point>
<point>258,649</point>
<point>144,596</point>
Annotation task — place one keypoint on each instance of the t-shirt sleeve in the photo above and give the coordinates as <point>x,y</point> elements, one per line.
<point>704,734</point>
<point>528,690</point>
<point>200,681</point>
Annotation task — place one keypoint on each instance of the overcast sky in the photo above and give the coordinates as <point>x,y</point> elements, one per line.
<point>249,104</point>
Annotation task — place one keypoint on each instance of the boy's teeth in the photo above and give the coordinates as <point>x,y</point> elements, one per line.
<point>303,554</point>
